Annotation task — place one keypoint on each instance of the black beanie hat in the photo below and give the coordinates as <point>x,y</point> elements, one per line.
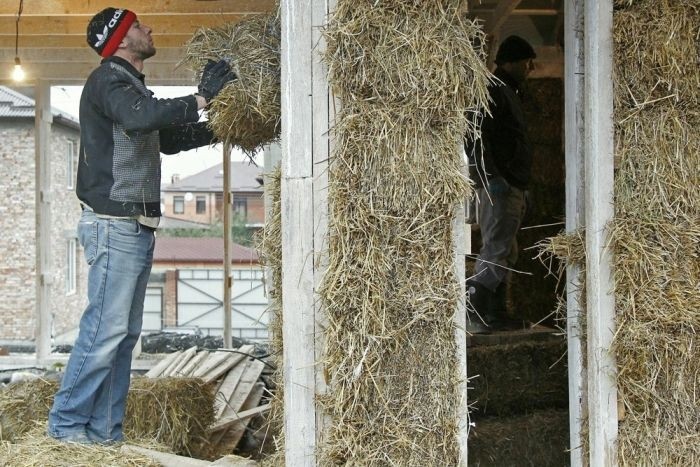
<point>513,49</point>
<point>107,29</point>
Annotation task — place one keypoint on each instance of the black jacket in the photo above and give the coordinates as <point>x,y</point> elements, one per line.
<point>123,130</point>
<point>504,140</point>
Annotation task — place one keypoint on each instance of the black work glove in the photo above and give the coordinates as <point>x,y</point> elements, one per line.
<point>214,77</point>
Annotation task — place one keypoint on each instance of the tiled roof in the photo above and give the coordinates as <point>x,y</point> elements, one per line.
<point>200,249</point>
<point>243,178</point>
<point>16,105</point>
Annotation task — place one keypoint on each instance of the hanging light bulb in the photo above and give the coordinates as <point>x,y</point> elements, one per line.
<point>18,73</point>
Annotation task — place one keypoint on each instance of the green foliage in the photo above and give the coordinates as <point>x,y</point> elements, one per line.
<point>240,234</point>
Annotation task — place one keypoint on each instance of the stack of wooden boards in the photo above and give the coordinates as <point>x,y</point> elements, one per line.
<point>239,388</point>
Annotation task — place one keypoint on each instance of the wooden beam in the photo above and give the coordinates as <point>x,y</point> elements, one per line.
<point>52,41</point>
<point>461,249</point>
<point>599,202</point>
<point>90,7</point>
<point>42,213</point>
<point>228,277</point>
<point>500,15</point>
<point>575,219</point>
<point>322,109</point>
<point>76,73</point>
<point>159,23</point>
<point>298,317</point>
<point>82,54</point>
<point>233,419</point>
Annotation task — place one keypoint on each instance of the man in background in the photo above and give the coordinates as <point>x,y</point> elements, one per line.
<point>500,165</point>
<point>123,131</point>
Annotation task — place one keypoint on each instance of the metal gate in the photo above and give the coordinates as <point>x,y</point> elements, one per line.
<point>153,310</point>
<point>200,302</point>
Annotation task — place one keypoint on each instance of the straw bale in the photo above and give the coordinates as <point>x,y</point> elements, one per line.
<point>269,247</point>
<point>410,82</point>
<point>173,411</point>
<point>657,47</point>
<point>22,404</point>
<point>538,367</point>
<point>656,230</point>
<point>540,439</point>
<point>246,113</point>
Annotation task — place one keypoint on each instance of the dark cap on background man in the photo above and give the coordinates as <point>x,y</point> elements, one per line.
<point>513,49</point>
<point>107,29</point>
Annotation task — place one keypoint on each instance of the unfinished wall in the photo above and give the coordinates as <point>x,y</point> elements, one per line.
<point>409,82</point>
<point>656,231</point>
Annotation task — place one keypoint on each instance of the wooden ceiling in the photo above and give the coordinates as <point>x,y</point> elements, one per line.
<point>52,33</point>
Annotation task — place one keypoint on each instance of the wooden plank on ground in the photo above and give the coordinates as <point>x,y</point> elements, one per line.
<point>232,436</point>
<point>228,387</point>
<point>214,360</point>
<point>194,363</point>
<point>226,365</point>
<point>164,458</point>
<point>232,420</point>
<point>245,386</point>
<point>169,371</point>
<point>183,361</point>
<point>158,370</point>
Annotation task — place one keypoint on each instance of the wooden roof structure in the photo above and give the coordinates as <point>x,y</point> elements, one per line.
<point>52,47</point>
<point>52,43</point>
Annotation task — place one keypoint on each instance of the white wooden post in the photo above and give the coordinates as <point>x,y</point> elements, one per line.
<point>574,134</point>
<point>461,248</point>
<point>228,279</point>
<point>600,300</point>
<point>42,166</point>
<point>322,116</point>
<point>297,233</point>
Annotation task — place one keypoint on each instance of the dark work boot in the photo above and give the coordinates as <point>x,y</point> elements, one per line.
<point>500,321</point>
<point>478,307</point>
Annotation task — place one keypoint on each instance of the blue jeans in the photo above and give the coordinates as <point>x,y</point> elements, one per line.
<point>500,215</point>
<point>90,405</point>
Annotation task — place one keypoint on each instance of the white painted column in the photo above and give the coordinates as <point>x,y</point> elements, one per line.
<point>461,246</point>
<point>322,116</point>
<point>298,234</point>
<point>575,219</point>
<point>42,166</point>
<point>228,278</point>
<point>600,300</point>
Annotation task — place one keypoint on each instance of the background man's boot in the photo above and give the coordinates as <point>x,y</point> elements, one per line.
<point>478,307</point>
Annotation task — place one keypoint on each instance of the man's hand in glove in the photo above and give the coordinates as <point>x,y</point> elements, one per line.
<point>214,77</point>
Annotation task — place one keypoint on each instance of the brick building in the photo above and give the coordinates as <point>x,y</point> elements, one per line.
<point>18,218</point>
<point>199,198</point>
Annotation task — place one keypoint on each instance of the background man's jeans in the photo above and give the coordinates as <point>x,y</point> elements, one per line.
<point>89,407</point>
<point>500,216</point>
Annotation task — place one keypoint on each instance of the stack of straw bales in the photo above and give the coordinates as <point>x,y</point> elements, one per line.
<point>247,111</point>
<point>410,81</point>
<point>656,231</point>
<point>269,246</point>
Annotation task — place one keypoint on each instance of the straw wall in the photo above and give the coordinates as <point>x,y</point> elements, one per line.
<point>656,232</point>
<point>408,80</point>
<point>269,246</point>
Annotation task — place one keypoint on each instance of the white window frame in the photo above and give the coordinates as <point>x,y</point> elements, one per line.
<point>71,267</point>
<point>175,202</point>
